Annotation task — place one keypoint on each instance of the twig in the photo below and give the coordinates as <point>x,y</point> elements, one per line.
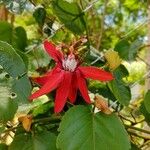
<point>102,25</point>
<point>143,61</point>
<point>90,5</point>
<point>145,76</point>
<point>138,26</point>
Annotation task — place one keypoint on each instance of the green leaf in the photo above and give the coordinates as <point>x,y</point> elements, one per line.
<point>121,72</point>
<point>6,31</point>
<point>8,106</point>
<point>40,15</point>
<point>24,58</point>
<point>14,65</point>
<point>81,129</point>
<point>134,47</point>
<point>39,141</point>
<point>121,92</point>
<point>11,61</point>
<point>128,50</point>
<point>20,38</point>
<point>22,88</point>
<point>17,37</point>
<point>71,15</point>
<point>147,101</point>
<point>3,147</point>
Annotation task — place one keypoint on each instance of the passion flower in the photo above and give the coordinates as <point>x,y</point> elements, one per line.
<point>67,77</point>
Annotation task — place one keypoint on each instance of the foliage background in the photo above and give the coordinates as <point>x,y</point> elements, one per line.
<point>121,25</point>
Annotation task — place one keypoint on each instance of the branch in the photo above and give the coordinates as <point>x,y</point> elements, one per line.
<point>137,129</point>
<point>125,118</point>
<point>11,129</point>
<point>140,136</point>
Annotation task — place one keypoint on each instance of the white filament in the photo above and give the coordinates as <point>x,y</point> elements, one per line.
<point>69,64</point>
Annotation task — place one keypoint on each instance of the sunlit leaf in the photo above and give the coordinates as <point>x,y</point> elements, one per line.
<point>113,59</point>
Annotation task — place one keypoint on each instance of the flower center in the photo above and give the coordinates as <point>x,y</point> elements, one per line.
<point>69,63</point>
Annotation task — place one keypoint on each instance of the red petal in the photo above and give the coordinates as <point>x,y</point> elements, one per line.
<point>50,85</point>
<point>96,73</point>
<point>82,87</point>
<point>62,92</point>
<point>52,51</point>
<point>73,89</point>
<point>43,79</point>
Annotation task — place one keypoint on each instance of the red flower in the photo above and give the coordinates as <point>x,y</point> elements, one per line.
<point>67,76</point>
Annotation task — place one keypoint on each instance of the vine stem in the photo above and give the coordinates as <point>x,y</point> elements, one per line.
<point>48,119</point>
